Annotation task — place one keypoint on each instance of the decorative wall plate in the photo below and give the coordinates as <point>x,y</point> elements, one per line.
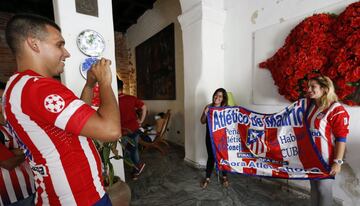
<point>90,43</point>
<point>85,66</point>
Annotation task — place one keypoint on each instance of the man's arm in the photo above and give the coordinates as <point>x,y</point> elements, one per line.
<point>104,124</point>
<point>87,92</point>
<point>143,114</point>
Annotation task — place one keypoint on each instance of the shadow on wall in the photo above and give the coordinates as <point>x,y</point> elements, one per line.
<point>176,132</point>
<point>203,99</point>
<point>350,183</point>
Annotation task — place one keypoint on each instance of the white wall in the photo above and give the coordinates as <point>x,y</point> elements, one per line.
<point>248,17</point>
<point>72,24</point>
<point>152,21</point>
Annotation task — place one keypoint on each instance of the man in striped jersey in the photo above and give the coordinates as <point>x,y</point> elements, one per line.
<point>52,125</point>
<point>16,179</point>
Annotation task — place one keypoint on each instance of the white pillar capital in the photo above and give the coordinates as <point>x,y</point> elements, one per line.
<point>188,4</point>
<point>202,11</point>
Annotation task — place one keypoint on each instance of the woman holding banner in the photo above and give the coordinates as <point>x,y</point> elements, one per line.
<point>219,99</point>
<point>328,122</point>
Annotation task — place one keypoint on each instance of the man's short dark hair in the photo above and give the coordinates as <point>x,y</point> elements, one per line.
<point>22,26</point>
<point>120,84</point>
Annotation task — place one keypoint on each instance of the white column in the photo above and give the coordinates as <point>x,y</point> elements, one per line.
<point>202,24</point>
<point>72,23</point>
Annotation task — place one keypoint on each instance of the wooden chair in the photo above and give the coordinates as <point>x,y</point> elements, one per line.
<point>159,140</point>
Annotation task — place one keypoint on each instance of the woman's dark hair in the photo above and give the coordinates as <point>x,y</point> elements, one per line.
<point>225,97</point>
<point>2,85</point>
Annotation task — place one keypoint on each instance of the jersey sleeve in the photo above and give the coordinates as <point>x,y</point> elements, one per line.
<point>50,102</point>
<point>340,123</point>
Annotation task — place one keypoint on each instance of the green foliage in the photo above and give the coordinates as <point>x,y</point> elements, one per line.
<point>105,150</point>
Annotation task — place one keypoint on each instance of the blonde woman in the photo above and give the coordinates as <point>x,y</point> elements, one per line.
<point>219,99</point>
<point>328,123</point>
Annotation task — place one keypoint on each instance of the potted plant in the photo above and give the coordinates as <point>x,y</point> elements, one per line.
<point>106,149</point>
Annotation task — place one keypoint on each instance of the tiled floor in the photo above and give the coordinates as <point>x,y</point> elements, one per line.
<point>168,180</point>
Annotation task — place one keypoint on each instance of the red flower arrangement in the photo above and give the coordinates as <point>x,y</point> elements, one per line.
<point>323,44</point>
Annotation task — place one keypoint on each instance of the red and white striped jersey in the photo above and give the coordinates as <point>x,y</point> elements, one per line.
<point>16,184</point>
<point>328,126</point>
<point>47,118</point>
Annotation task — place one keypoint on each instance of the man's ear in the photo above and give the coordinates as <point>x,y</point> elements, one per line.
<point>33,44</point>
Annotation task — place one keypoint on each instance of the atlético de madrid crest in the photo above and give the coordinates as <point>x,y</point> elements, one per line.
<point>54,103</point>
<point>256,142</point>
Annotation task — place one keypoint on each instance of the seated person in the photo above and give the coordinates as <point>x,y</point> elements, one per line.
<point>150,132</point>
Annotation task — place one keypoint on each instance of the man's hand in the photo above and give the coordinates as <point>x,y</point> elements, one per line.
<point>101,72</point>
<point>90,80</point>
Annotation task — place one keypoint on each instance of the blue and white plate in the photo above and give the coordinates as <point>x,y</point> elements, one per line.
<point>91,43</point>
<point>85,66</point>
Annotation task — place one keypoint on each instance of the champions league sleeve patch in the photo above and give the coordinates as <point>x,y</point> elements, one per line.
<point>54,103</point>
